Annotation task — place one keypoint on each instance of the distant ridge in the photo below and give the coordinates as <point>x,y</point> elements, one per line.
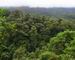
<point>52,11</point>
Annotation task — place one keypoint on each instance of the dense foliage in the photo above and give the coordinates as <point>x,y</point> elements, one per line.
<point>31,37</point>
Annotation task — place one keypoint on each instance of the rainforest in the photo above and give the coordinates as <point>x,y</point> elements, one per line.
<point>33,36</point>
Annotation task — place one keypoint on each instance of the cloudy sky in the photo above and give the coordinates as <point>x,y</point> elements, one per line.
<point>38,3</point>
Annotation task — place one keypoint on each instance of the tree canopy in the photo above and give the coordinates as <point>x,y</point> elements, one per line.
<point>24,36</point>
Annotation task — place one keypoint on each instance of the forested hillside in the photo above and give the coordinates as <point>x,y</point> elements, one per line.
<point>27,36</point>
<point>67,13</point>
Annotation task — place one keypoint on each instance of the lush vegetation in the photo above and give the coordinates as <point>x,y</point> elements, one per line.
<point>26,36</point>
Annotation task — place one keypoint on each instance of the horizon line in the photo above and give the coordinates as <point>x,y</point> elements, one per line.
<point>37,7</point>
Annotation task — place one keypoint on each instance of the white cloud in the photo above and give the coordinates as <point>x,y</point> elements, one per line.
<point>38,3</point>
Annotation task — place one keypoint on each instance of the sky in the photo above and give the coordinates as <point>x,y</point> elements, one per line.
<point>38,3</point>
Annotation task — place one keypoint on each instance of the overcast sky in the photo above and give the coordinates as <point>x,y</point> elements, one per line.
<point>38,3</point>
